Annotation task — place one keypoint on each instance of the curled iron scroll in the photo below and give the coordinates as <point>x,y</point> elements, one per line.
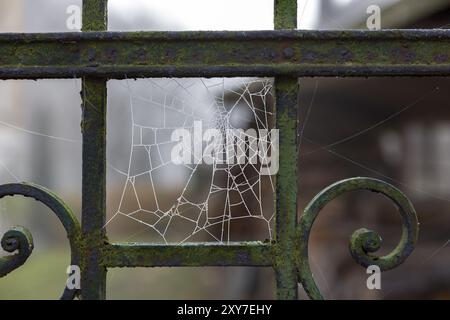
<point>363,242</point>
<point>19,239</point>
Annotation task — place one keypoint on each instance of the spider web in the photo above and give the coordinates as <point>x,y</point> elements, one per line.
<point>196,202</point>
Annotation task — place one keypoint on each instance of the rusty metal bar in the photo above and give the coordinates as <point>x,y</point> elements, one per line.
<point>93,126</point>
<point>255,254</point>
<point>286,104</point>
<point>205,54</point>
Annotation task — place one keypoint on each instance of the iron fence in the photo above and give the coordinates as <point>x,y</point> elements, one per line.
<point>286,54</point>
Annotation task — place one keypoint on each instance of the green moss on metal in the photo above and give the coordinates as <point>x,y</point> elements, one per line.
<point>285,14</point>
<point>95,15</point>
<point>20,239</point>
<point>275,53</point>
<point>94,186</point>
<point>187,255</point>
<point>93,277</point>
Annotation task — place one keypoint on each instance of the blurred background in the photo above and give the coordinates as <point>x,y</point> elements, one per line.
<point>395,129</point>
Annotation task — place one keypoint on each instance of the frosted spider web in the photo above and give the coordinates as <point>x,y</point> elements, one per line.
<point>198,202</point>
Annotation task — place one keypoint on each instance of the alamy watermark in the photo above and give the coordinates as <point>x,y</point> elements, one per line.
<point>373,21</point>
<point>227,146</point>
<point>74,279</point>
<point>374,280</point>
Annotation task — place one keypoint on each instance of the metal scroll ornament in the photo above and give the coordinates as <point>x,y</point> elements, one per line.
<point>19,239</point>
<point>363,242</point>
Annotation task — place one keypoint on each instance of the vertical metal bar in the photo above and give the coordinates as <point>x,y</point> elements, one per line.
<point>286,101</point>
<point>93,125</point>
<point>285,14</point>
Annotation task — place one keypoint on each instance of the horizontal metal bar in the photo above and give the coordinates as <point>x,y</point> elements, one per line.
<point>187,255</point>
<point>208,54</point>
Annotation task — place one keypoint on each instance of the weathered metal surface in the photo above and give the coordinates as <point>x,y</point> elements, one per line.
<point>19,238</point>
<point>93,127</point>
<point>286,106</point>
<point>95,15</point>
<point>363,242</point>
<point>206,54</point>
<point>256,254</point>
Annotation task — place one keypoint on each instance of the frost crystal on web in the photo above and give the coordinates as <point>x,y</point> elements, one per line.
<point>221,201</point>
